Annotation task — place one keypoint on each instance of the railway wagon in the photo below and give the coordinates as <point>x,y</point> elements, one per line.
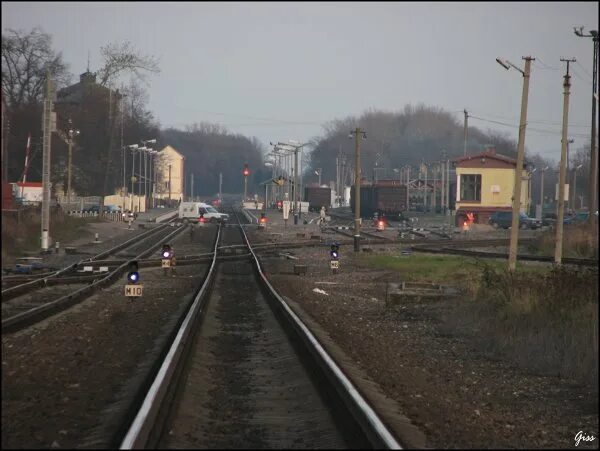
<point>386,197</point>
<point>317,197</point>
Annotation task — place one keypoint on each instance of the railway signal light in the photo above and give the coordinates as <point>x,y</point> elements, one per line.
<point>380,225</point>
<point>334,252</point>
<point>263,220</point>
<point>167,252</point>
<point>133,276</point>
<point>246,171</point>
<point>201,220</point>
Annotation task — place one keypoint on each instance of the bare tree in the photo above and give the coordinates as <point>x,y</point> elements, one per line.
<point>124,58</point>
<point>26,56</point>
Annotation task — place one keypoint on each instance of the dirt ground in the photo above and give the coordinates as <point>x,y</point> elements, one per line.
<point>456,394</point>
<point>66,380</point>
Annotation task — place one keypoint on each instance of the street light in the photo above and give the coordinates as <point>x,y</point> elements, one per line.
<point>293,146</point>
<point>318,172</point>
<point>593,179</point>
<point>575,186</point>
<point>71,133</point>
<point>516,207</point>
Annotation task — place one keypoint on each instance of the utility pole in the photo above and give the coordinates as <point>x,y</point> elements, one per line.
<point>563,157</point>
<point>447,185</point>
<point>296,186</point>
<point>426,188</point>
<point>466,130</point>
<point>568,174</point>
<point>71,133</point>
<point>433,182</point>
<point>593,182</point>
<point>48,125</point>
<point>192,187</point>
<point>542,190</point>
<point>516,207</point>
<point>357,133</point>
<point>220,186</point>
<point>169,186</point>
<point>443,193</point>
<point>132,169</point>
<point>407,188</point>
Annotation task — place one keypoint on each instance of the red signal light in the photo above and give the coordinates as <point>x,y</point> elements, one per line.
<point>263,220</point>
<point>246,172</point>
<point>202,220</point>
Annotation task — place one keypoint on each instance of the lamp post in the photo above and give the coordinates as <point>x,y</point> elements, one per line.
<point>133,148</point>
<point>146,149</point>
<point>294,146</point>
<point>318,172</point>
<point>357,133</point>
<point>529,190</point>
<point>140,150</point>
<point>567,181</point>
<point>516,207</point>
<point>71,133</point>
<point>542,191</point>
<point>575,187</point>
<point>593,147</point>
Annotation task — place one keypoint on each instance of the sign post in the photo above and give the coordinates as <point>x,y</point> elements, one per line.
<point>286,211</point>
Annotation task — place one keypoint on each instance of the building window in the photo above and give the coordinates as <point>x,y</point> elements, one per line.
<point>470,187</point>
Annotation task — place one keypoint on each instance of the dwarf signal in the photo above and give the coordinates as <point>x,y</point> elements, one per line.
<point>133,288</point>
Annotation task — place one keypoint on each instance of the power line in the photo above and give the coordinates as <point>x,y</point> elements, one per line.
<point>530,129</point>
<point>546,66</point>
<point>542,122</point>
<point>584,69</point>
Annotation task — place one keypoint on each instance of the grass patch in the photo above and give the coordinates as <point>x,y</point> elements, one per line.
<point>579,241</point>
<point>541,318</point>
<point>546,322</point>
<point>437,268</point>
<point>22,235</point>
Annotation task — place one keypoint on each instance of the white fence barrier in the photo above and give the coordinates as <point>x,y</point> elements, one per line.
<point>113,216</point>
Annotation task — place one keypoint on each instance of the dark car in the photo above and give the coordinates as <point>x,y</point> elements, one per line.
<point>503,219</point>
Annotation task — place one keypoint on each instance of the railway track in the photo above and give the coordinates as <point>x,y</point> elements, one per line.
<point>30,302</point>
<point>524,257</point>
<point>244,371</point>
<point>20,284</point>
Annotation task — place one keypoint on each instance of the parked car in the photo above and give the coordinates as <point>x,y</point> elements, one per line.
<point>92,209</point>
<point>503,219</point>
<point>112,209</point>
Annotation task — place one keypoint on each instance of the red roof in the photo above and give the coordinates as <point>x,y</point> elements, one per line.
<point>487,154</point>
<point>30,184</point>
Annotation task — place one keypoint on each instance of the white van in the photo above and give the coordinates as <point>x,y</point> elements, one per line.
<point>191,211</point>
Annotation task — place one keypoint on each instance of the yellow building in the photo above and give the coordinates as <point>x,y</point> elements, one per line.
<point>169,175</point>
<point>485,184</point>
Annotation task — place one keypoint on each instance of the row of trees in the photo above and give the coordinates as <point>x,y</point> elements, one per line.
<point>104,115</point>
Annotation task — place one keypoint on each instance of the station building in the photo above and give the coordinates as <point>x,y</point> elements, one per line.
<point>170,167</point>
<point>485,184</point>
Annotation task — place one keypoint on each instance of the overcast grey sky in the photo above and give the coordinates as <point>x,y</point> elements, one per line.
<point>279,70</point>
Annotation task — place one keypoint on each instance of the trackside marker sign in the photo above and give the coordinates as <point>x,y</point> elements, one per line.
<point>133,290</point>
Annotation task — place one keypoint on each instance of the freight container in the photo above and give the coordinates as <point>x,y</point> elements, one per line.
<point>317,197</point>
<point>387,197</point>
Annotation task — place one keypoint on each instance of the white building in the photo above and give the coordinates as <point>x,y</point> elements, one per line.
<point>28,192</point>
<point>169,174</point>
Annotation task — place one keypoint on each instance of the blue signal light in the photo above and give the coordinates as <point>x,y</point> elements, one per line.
<point>166,254</point>
<point>334,255</point>
<point>133,277</point>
